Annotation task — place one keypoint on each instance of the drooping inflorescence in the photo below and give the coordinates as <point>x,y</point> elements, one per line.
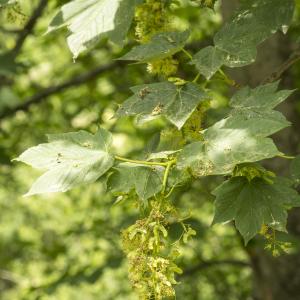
<point>150,255</point>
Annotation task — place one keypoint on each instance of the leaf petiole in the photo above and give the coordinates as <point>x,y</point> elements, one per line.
<point>187,54</point>
<point>286,156</point>
<point>227,79</point>
<point>142,162</point>
<point>197,77</point>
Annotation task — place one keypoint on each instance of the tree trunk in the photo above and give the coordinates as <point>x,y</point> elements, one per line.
<point>274,278</point>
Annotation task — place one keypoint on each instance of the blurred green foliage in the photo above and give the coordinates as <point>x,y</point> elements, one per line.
<point>67,246</point>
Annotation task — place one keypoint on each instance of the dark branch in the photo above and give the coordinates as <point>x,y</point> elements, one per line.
<point>294,58</point>
<point>29,27</point>
<point>42,95</point>
<point>213,263</point>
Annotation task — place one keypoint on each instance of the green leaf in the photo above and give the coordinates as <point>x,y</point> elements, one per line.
<point>152,100</point>
<point>147,181</point>
<point>255,22</point>
<point>91,20</point>
<point>255,122</point>
<point>70,159</point>
<point>241,137</point>
<point>253,110</point>
<point>264,97</point>
<point>160,46</point>
<point>220,155</point>
<point>236,42</point>
<point>252,204</point>
<point>209,60</point>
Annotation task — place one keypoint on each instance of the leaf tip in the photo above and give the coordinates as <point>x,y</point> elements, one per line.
<point>15,159</point>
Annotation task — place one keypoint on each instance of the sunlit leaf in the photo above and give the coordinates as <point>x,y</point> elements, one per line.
<point>176,103</point>
<point>70,159</point>
<point>90,20</point>
<point>242,136</point>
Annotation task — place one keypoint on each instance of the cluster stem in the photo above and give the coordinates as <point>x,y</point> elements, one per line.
<point>166,174</point>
